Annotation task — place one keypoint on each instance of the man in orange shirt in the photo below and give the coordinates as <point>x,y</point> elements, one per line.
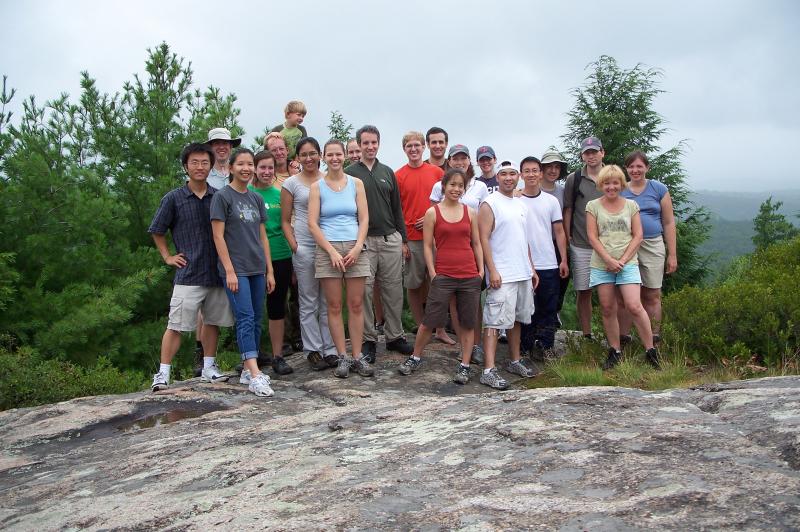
<point>415,181</point>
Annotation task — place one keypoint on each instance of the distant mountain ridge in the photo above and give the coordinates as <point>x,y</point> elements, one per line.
<point>738,206</point>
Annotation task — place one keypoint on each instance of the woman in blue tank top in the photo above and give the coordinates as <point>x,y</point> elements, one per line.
<point>658,252</point>
<point>338,220</point>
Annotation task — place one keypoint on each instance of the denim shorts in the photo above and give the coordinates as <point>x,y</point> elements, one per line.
<point>629,274</point>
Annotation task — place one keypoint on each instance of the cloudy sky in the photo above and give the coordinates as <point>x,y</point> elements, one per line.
<point>497,73</point>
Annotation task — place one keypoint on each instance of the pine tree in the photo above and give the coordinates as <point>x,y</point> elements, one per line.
<point>771,226</point>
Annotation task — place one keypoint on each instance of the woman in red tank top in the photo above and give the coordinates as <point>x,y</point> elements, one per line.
<point>456,271</point>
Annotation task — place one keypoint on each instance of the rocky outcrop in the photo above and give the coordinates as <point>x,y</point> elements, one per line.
<point>412,452</point>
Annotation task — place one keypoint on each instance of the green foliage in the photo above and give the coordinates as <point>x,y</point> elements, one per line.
<point>339,128</point>
<point>754,314</point>
<point>616,105</point>
<point>770,226</point>
<point>29,379</point>
<point>81,285</point>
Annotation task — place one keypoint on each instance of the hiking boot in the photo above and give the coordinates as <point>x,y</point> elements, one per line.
<point>477,355</point>
<point>651,355</point>
<point>409,366</point>
<point>280,367</point>
<point>260,386</point>
<point>625,340</point>
<point>160,381</point>
<point>493,380</point>
<point>502,337</point>
<point>198,361</point>
<point>400,345</point>
<point>462,375</point>
<point>264,359</point>
<point>368,351</point>
<point>613,359</point>
<point>244,377</point>
<point>343,368</point>
<point>362,367</point>
<point>315,361</point>
<point>331,360</point>
<point>213,374</point>
<point>518,367</point>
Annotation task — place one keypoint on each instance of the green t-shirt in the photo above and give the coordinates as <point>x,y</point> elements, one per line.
<point>613,230</point>
<point>278,246</point>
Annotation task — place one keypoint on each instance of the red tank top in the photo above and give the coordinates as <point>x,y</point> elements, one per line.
<point>454,256</point>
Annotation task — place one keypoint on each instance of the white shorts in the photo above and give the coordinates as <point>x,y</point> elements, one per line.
<point>507,304</point>
<point>187,300</point>
<point>579,265</point>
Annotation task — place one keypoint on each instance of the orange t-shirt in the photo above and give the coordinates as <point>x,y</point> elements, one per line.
<point>415,186</point>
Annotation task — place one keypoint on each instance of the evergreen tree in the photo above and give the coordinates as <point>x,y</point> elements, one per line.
<point>616,105</point>
<point>771,226</point>
<point>339,128</point>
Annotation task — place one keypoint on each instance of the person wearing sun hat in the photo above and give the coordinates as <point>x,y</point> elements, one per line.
<point>221,143</point>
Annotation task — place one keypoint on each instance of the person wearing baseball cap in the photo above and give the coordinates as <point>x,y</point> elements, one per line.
<point>486,160</point>
<point>579,189</point>
<point>221,143</point>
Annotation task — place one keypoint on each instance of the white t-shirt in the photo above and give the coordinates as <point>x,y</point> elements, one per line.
<point>509,239</point>
<point>543,211</point>
<point>475,194</point>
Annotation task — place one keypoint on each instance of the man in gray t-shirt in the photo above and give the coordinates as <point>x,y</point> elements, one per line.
<point>580,189</point>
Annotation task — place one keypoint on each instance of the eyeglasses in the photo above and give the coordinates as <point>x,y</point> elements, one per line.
<point>199,164</point>
<point>308,154</point>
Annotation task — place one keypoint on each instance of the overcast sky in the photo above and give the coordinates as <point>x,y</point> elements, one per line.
<point>497,72</point>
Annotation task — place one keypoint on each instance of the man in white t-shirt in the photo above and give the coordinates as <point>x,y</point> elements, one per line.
<point>544,223</point>
<point>511,278</point>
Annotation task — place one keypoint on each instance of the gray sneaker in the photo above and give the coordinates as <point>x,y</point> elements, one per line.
<point>160,382</point>
<point>213,374</point>
<point>343,369</point>
<point>493,380</point>
<point>518,367</point>
<point>362,367</point>
<point>462,375</point>
<point>477,355</point>
<point>409,366</point>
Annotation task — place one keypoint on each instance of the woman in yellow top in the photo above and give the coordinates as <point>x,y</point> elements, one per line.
<point>615,233</point>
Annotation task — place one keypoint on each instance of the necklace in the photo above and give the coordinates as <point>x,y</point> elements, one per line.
<point>336,186</point>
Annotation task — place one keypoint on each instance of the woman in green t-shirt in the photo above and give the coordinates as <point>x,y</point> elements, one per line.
<point>264,185</point>
<point>615,232</point>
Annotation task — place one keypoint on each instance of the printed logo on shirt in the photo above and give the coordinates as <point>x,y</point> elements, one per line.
<point>246,212</point>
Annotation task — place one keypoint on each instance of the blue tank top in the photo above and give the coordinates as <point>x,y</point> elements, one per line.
<point>338,214</point>
<point>649,206</point>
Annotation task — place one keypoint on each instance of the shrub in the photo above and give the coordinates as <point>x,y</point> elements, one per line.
<point>753,314</point>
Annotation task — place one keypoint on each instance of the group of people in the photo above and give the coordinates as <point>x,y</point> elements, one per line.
<point>448,237</point>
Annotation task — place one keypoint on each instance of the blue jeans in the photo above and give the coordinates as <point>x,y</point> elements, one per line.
<point>543,322</point>
<point>248,309</point>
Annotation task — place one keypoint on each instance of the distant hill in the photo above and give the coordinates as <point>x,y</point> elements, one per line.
<point>744,205</point>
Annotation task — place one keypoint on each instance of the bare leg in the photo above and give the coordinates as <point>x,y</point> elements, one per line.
<point>416,297</point>
<point>607,293</point>
<point>476,339</point>
<point>252,365</point>
<point>623,316</point>
<point>584,309</point>
<point>632,297</point>
<point>170,343</point>
<point>467,340</point>
<point>423,335</point>
<point>276,331</point>
<point>332,288</point>
<point>209,337</point>
<point>651,300</point>
<point>489,347</point>
<point>355,310</point>
<point>513,336</point>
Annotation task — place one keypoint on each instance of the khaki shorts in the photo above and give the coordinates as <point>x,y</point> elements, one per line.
<point>579,264</point>
<point>187,300</point>
<point>507,304</point>
<point>325,270</point>
<point>414,269</point>
<point>652,258</point>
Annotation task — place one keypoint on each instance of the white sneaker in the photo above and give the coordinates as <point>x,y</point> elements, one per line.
<point>244,377</point>
<point>259,385</point>
<point>213,374</point>
<point>160,382</point>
